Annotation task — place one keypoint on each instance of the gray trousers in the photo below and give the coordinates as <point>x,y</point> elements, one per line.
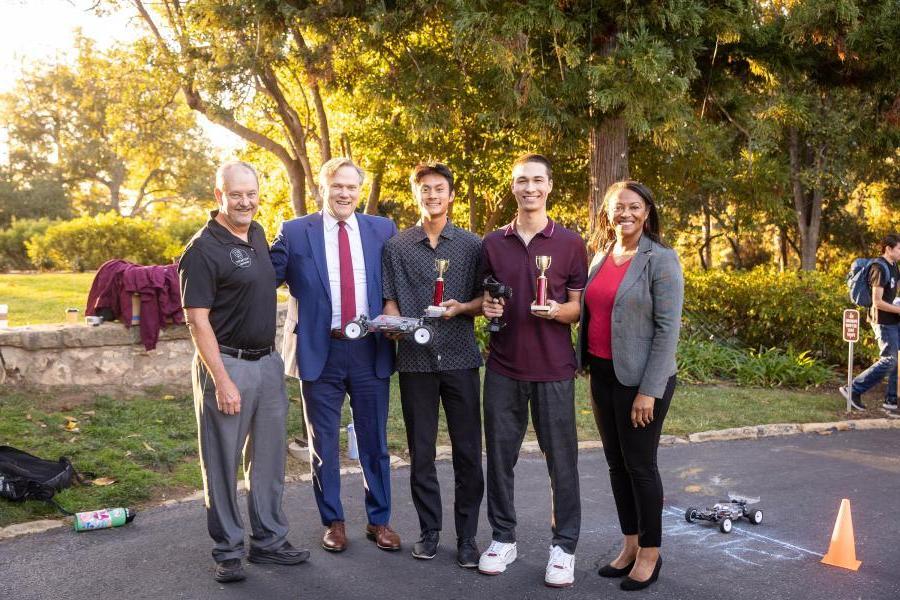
<point>506,403</point>
<point>257,432</point>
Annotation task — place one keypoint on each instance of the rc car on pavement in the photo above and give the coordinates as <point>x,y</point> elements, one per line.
<point>724,513</point>
<point>421,333</point>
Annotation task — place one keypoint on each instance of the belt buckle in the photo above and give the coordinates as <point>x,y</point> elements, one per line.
<point>239,353</point>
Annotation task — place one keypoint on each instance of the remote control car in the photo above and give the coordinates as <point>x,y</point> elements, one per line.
<point>421,333</point>
<point>725,513</point>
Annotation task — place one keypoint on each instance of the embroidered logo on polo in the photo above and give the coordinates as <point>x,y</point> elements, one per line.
<point>240,257</point>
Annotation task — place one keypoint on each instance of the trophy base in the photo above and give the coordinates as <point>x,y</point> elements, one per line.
<point>435,311</point>
<point>539,308</point>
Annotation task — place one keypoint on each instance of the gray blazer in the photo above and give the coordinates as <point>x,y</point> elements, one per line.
<point>646,318</point>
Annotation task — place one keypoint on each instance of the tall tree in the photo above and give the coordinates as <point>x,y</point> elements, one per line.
<point>106,120</point>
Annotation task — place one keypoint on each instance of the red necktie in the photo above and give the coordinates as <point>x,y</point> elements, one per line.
<point>348,287</point>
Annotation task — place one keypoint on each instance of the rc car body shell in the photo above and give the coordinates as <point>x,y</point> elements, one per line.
<point>725,513</point>
<point>422,333</point>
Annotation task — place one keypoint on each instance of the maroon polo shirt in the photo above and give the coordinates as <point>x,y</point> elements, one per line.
<point>530,348</point>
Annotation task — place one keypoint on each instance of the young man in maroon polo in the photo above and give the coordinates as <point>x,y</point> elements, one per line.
<point>532,363</point>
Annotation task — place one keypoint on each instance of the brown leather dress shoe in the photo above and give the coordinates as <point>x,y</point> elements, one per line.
<point>384,537</point>
<point>335,538</point>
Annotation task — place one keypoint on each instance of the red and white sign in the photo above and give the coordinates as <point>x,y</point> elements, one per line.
<point>851,325</point>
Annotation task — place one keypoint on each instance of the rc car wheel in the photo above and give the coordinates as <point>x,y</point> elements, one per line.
<point>725,525</point>
<point>689,514</point>
<point>755,517</point>
<point>423,335</point>
<point>354,330</point>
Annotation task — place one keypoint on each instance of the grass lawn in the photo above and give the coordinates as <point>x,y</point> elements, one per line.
<point>148,443</point>
<point>39,298</point>
<point>36,298</point>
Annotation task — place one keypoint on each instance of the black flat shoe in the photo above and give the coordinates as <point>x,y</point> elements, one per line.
<point>629,585</point>
<point>610,571</point>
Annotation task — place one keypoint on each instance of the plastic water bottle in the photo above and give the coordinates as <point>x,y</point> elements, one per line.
<point>352,449</point>
<point>103,519</point>
<point>4,316</point>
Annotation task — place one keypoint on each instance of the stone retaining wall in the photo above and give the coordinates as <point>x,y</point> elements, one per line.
<point>106,355</point>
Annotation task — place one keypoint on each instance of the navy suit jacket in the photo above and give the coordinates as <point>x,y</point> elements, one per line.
<point>298,255</point>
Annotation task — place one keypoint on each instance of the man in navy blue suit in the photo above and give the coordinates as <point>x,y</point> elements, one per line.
<point>331,261</point>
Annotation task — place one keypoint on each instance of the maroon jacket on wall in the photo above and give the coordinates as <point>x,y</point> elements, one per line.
<point>117,280</point>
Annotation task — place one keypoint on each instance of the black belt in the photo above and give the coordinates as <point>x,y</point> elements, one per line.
<point>252,354</point>
<point>338,334</point>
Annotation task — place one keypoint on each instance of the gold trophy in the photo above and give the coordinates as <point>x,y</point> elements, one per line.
<point>436,310</point>
<point>540,302</point>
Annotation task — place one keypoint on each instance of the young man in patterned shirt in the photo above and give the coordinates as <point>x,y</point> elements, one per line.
<point>445,371</point>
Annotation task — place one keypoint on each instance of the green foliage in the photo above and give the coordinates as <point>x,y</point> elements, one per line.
<point>13,254</point>
<point>704,361</point>
<point>39,197</point>
<point>87,242</point>
<point>764,308</point>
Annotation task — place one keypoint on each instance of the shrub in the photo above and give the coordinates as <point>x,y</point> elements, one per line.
<point>13,254</point>
<point>772,367</point>
<point>87,242</point>
<point>705,361</point>
<point>764,308</point>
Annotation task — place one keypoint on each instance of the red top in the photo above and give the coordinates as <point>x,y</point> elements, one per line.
<point>599,299</point>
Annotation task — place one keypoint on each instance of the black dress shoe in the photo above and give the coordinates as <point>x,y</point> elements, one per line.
<point>467,553</point>
<point>610,571</point>
<point>629,585</point>
<point>285,555</point>
<point>229,570</point>
<point>427,545</point>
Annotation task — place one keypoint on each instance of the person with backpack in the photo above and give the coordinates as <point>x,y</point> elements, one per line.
<point>882,276</point>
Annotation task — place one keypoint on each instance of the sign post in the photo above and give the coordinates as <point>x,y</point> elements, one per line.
<point>851,335</point>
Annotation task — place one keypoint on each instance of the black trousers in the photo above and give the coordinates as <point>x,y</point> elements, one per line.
<point>421,395</point>
<point>506,403</point>
<point>630,452</point>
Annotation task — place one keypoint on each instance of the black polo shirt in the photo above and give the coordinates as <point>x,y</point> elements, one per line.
<point>408,276</point>
<point>235,280</point>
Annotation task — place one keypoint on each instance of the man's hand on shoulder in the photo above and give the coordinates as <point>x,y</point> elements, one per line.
<point>228,398</point>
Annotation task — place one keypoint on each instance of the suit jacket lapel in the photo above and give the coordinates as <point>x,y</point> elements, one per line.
<point>372,258</point>
<point>315,231</point>
<point>638,263</point>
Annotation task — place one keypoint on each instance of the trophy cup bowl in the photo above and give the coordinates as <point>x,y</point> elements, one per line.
<point>540,301</point>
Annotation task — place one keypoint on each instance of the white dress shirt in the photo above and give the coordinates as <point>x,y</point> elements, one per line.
<point>332,259</point>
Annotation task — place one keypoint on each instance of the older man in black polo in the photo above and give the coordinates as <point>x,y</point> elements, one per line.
<point>445,372</point>
<point>228,294</point>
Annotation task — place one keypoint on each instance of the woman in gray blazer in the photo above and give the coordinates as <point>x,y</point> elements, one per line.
<point>630,319</point>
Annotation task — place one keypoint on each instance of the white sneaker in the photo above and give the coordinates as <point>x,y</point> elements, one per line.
<point>560,568</point>
<point>493,561</point>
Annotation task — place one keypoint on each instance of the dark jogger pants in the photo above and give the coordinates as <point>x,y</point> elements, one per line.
<point>630,452</point>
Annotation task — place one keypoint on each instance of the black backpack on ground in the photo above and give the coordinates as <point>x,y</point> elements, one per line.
<point>27,477</point>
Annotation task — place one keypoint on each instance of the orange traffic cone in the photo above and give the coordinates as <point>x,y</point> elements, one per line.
<point>842,551</point>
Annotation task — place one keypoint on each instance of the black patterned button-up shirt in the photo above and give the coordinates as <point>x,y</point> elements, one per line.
<point>408,277</point>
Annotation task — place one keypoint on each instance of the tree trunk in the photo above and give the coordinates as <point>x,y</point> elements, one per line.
<point>473,206</point>
<point>298,187</point>
<point>706,255</point>
<point>608,150</point>
<point>807,203</point>
<point>375,191</point>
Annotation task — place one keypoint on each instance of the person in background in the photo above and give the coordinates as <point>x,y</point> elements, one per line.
<point>884,316</point>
